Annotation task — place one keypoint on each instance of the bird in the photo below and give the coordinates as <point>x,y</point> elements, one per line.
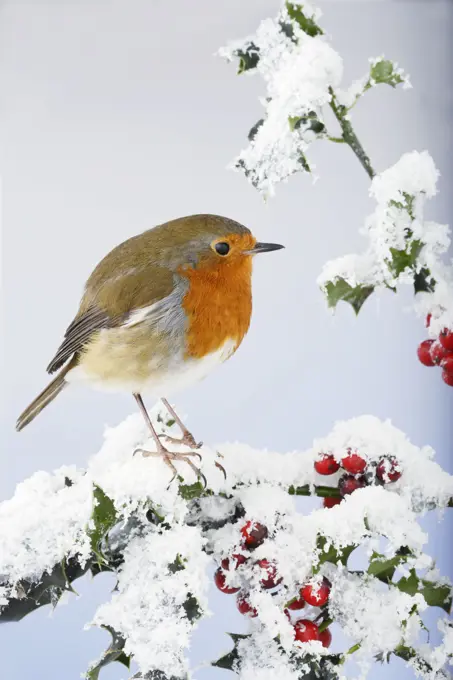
<point>157,314</point>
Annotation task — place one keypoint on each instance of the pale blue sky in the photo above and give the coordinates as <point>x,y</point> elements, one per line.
<point>117,116</point>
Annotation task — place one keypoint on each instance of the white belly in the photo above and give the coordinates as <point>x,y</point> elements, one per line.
<point>165,381</point>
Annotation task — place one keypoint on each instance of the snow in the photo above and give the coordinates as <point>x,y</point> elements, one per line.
<point>298,75</point>
<point>47,521</point>
<point>396,224</point>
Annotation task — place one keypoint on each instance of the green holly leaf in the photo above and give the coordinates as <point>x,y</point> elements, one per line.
<point>409,584</point>
<point>423,281</point>
<point>113,653</point>
<point>309,122</point>
<point>383,71</point>
<point>253,130</point>
<point>307,24</point>
<point>103,519</point>
<point>190,491</point>
<point>437,595</point>
<point>383,568</point>
<point>248,58</point>
<point>231,660</point>
<point>332,554</point>
<point>341,290</point>
<point>404,259</point>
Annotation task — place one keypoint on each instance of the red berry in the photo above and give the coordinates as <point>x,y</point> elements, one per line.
<point>326,465</point>
<point>438,352</point>
<point>388,470</point>
<point>316,595</point>
<point>306,631</point>
<point>296,604</point>
<point>424,352</point>
<point>447,363</point>
<point>325,637</point>
<point>220,581</point>
<point>353,463</point>
<point>428,320</point>
<point>271,577</point>
<point>447,377</point>
<point>254,534</point>
<point>446,339</point>
<point>234,561</point>
<point>330,501</point>
<point>245,607</point>
<point>348,484</point>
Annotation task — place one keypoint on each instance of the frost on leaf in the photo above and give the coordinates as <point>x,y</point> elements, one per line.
<point>299,67</point>
<point>403,247</point>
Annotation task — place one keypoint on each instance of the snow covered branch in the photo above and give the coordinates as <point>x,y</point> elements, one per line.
<point>295,575</point>
<point>302,74</point>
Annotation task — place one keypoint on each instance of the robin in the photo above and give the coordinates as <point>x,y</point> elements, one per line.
<point>158,313</point>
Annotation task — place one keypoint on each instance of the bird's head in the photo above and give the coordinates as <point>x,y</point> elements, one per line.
<point>209,242</point>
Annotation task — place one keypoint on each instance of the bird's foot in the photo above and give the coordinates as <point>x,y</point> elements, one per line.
<point>170,456</point>
<point>187,439</point>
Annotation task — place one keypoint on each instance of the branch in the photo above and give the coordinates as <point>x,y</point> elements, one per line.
<point>349,136</point>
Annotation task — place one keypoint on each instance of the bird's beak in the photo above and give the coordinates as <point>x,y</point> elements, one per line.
<point>263,248</point>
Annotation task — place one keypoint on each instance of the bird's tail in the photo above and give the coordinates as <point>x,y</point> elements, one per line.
<point>52,390</point>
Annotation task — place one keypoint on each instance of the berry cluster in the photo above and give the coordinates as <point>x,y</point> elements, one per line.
<point>305,630</point>
<point>358,473</point>
<point>438,353</point>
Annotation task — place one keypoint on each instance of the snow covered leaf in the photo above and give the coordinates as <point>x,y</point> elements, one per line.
<point>103,518</point>
<point>404,259</point>
<point>306,23</point>
<point>328,553</point>
<point>341,290</point>
<point>115,652</point>
<point>383,568</point>
<point>437,594</point>
<point>230,661</point>
<point>248,58</point>
<point>384,71</point>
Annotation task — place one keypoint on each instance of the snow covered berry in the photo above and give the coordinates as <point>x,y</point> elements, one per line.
<point>348,484</point>
<point>270,578</point>
<point>253,534</point>
<point>447,363</point>
<point>447,377</point>
<point>424,352</point>
<point>220,581</point>
<point>330,501</point>
<point>446,339</point>
<point>428,320</point>
<point>306,631</point>
<point>296,604</point>
<point>438,352</point>
<point>326,638</point>
<point>353,463</point>
<point>244,606</point>
<point>233,562</point>
<point>316,594</point>
<point>388,470</point>
<point>326,465</point>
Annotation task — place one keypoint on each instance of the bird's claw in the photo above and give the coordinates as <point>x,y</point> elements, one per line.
<point>170,456</point>
<point>187,440</point>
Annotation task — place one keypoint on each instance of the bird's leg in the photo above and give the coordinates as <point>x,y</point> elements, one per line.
<point>168,456</point>
<point>187,437</point>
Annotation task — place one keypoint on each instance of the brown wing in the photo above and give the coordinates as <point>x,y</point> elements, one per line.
<point>108,302</point>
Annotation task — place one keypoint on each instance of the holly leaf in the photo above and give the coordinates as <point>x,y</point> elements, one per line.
<point>103,519</point>
<point>383,71</point>
<point>190,491</point>
<point>307,24</point>
<point>332,554</point>
<point>404,259</point>
<point>113,653</point>
<point>253,130</point>
<point>310,122</point>
<point>192,608</point>
<point>341,290</point>
<point>383,568</point>
<point>409,584</point>
<point>423,281</point>
<point>437,594</point>
<point>230,661</point>
<point>248,58</point>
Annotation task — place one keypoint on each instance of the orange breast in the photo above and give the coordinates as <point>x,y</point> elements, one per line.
<point>218,305</point>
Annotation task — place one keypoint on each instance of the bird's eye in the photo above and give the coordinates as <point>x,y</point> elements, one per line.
<point>222,248</point>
